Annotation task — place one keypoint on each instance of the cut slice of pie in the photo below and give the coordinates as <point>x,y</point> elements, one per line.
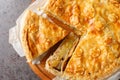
<point>57,62</point>
<point>38,35</point>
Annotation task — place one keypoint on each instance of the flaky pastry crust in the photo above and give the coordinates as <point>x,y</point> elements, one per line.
<point>38,35</point>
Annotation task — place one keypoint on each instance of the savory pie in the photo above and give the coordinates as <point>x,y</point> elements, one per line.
<point>38,35</point>
<point>97,55</point>
<point>93,55</point>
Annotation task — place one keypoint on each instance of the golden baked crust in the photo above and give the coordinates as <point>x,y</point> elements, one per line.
<point>78,13</point>
<point>57,62</point>
<point>96,56</point>
<point>98,52</point>
<point>71,12</point>
<point>38,35</point>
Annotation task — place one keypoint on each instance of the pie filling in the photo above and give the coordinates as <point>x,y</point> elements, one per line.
<point>58,61</point>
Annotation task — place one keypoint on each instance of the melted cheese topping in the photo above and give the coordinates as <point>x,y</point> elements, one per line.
<point>98,52</point>
<point>39,35</point>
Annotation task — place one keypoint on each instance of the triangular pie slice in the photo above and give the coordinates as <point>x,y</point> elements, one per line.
<point>38,35</point>
<point>57,62</point>
<point>97,55</point>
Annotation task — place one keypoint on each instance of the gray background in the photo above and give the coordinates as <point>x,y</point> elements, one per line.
<point>12,67</point>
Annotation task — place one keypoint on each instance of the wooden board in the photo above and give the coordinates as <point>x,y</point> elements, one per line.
<point>39,69</point>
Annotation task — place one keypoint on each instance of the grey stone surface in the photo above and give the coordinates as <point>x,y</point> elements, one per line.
<point>12,67</point>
